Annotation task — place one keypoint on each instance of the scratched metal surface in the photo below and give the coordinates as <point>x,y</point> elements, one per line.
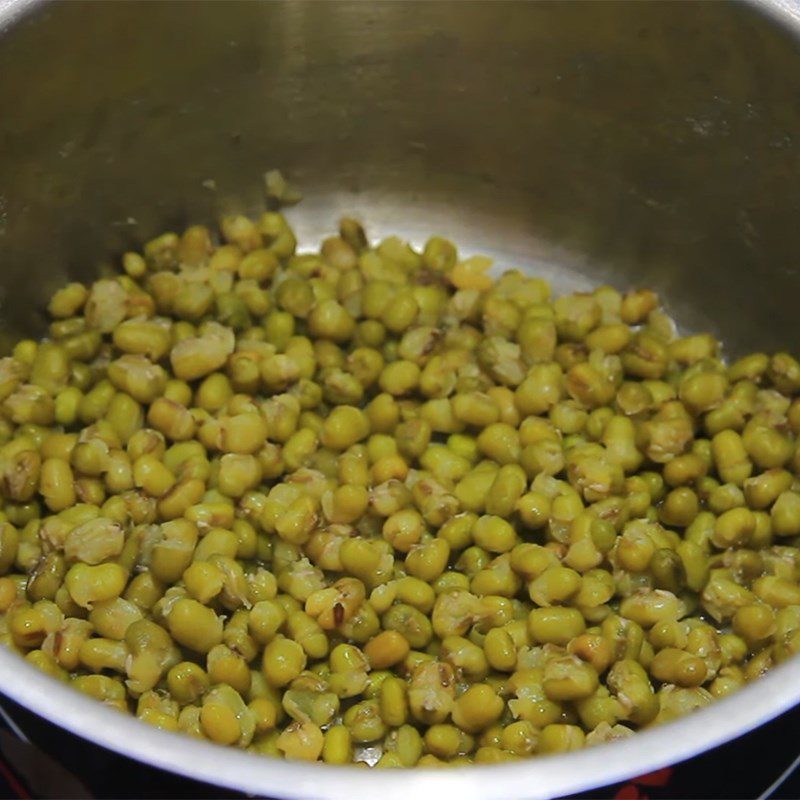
<point>642,144</point>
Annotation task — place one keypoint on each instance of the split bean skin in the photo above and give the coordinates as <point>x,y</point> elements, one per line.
<point>373,503</point>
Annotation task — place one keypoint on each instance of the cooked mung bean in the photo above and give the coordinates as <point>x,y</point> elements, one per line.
<point>375,504</point>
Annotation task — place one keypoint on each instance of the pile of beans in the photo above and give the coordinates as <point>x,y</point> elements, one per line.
<point>373,504</point>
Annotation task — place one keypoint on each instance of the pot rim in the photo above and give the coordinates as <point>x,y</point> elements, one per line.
<point>536,778</point>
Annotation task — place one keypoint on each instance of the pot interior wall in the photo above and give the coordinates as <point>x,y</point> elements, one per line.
<point>646,144</point>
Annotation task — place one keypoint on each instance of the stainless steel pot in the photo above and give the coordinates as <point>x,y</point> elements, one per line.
<point>653,144</point>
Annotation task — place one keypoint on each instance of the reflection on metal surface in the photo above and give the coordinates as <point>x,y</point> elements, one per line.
<point>787,11</point>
